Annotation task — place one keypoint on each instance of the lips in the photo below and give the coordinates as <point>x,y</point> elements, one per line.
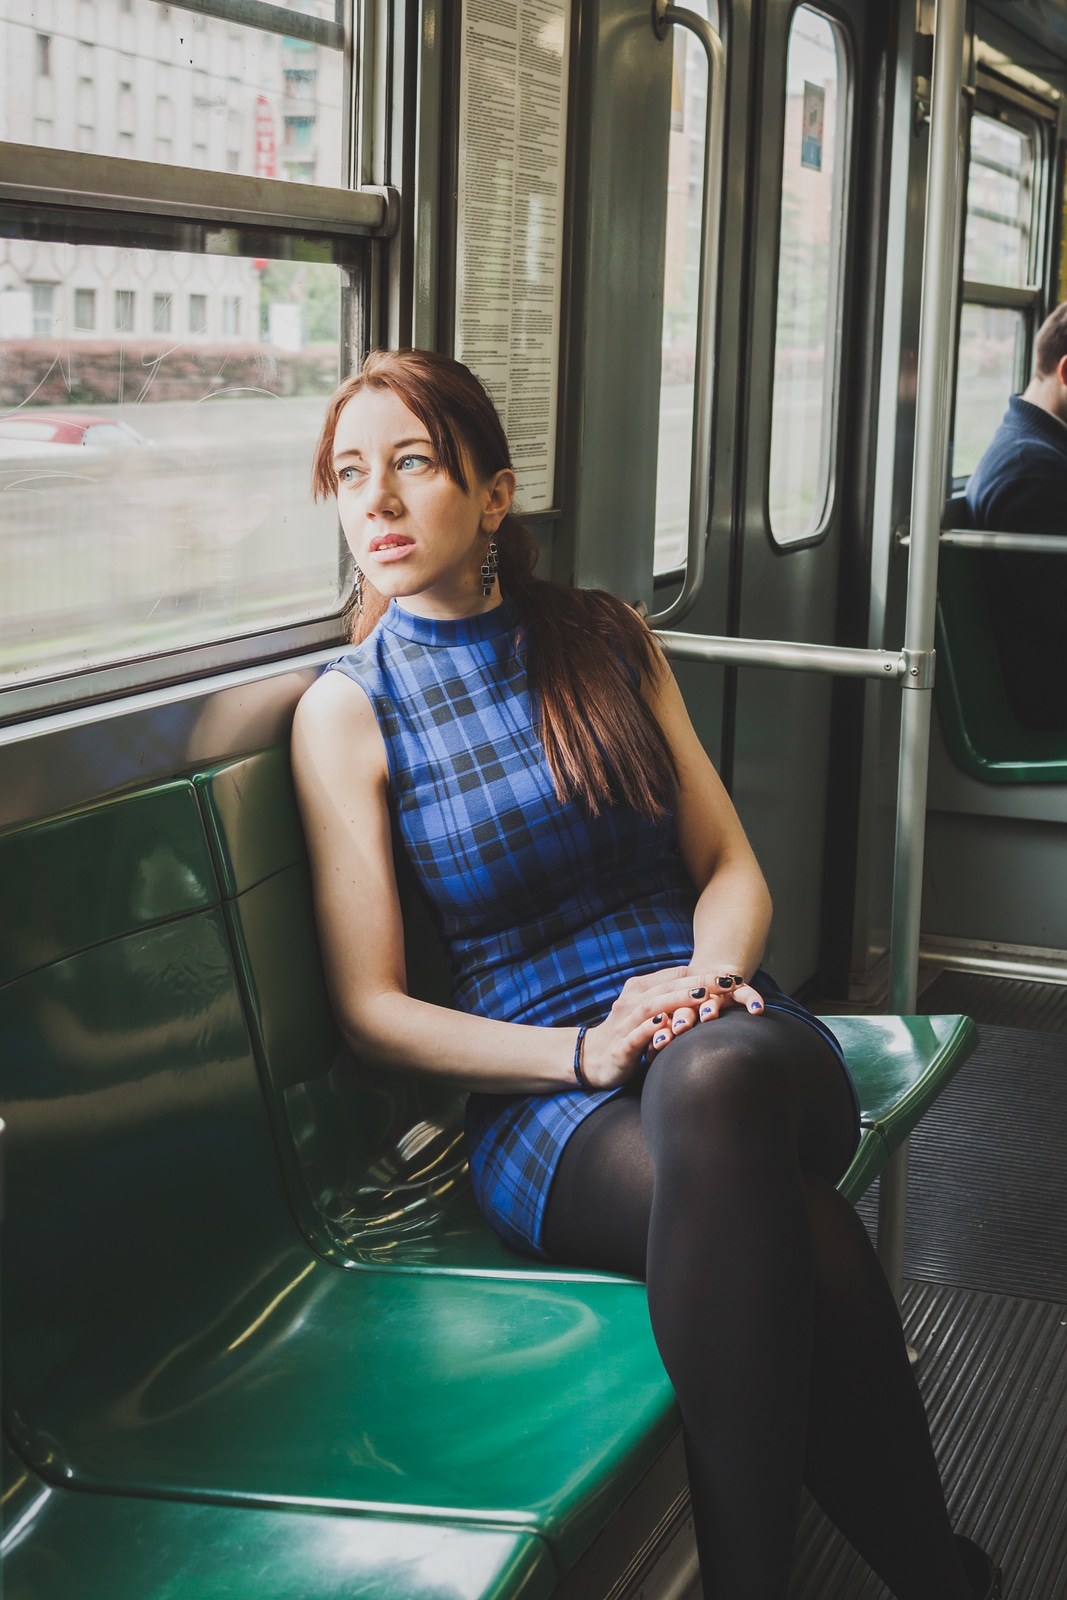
<point>390,546</point>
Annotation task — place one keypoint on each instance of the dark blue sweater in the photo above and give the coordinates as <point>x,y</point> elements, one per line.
<point>1020,484</point>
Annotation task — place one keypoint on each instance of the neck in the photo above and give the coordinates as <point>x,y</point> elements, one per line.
<point>449,608</point>
<point>1049,394</point>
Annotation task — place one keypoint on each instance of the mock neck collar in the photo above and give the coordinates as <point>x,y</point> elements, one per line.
<point>451,631</point>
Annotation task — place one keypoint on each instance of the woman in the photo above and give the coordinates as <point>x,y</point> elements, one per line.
<point>643,1098</point>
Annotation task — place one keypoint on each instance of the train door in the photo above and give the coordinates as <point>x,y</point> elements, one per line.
<point>800,476</point>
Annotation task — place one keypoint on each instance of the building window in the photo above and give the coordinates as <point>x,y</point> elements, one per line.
<point>123,310</point>
<point>43,297</point>
<point>300,85</point>
<point>161,313</point>
<point>300,171</point>
<point>126,145</point>
<point>44,55</point>
<point>85,309</point>
<point>231,314</point>
<point>298,131</point>
<point>198,313</point>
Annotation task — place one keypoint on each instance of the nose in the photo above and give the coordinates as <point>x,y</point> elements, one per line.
<point>382,499</point>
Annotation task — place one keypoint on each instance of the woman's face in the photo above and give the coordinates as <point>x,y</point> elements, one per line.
<point>417,535</point>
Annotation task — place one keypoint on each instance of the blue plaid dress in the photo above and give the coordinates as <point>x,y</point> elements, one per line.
<point>545,911</point>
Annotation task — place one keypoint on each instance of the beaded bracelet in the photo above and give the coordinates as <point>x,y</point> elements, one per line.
<point>579,1046</point>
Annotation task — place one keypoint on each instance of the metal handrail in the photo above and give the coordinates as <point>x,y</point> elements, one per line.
<point>1045,544</point>
<point>842,660</point>
<point>665,16</point>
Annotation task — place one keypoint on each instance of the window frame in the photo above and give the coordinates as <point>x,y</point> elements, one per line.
<point>841,25</point>
<point>1037,120</point>
<point>114,190</point>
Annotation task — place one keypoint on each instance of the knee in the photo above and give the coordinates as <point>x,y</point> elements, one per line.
<point>726,1076</point>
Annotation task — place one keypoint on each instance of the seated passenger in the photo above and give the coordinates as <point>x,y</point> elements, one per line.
<point>1020,486</point>
<point>644,1098</point>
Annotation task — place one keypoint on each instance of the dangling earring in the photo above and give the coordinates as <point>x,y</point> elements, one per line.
<point>490,567</point>
<point>359,589</point>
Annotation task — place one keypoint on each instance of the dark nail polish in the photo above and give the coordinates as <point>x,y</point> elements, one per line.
<point>757,1005</point>
<point>698,994</point>
<point>658,1017</point>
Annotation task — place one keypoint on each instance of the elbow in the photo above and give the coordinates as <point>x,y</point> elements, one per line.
<point>369,1028</point>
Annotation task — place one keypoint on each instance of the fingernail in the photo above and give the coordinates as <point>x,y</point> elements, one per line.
<point>698,994</point>
<point>661,1037</point>
<point>705,1012</point>
<point>679,1023</point>
<point>658,1017</point>
<point>755,1005</point>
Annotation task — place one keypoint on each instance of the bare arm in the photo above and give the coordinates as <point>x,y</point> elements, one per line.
<point>342,781</point>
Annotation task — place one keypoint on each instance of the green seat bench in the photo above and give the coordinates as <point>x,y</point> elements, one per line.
<point>257,1339</point>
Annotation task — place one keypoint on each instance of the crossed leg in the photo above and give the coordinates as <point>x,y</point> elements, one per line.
<point>715,1182</point>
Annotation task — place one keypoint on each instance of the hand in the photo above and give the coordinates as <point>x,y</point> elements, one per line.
<point>615,1048</point>
<point>719,996</point>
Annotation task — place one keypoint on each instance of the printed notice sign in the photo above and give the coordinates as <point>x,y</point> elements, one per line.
<point>509,244</point>
<point>811,134</point>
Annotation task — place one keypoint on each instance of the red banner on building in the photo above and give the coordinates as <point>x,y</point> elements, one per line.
<point>266,153</point>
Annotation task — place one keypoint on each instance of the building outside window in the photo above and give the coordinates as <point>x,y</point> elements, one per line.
<point>300,171</point>
<point>300,85</point>
<point>43,295</point>
<point>161,304</point>
<point>44,55</point>
<point>85,309</point>
<point>231,314</point>
<point>198,313</point>
<point>123,310</point>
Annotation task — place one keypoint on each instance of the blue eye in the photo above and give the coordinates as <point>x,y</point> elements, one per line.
<point>418,461</point>
<point>347,474</point>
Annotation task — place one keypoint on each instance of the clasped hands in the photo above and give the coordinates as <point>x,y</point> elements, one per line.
<point>651,1011</point>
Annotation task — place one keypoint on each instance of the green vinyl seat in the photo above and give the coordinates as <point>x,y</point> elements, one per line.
<point>245,1285</point>
<point>983,735</point>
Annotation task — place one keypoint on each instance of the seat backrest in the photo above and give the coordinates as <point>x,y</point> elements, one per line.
<point>374,1162</point>
<point>142,1187</point>
<point>982,734</point>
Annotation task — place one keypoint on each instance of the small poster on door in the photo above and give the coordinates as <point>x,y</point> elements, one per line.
<point>811,131</point>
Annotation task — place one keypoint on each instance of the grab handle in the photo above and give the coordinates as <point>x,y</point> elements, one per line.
<point>665,16</point>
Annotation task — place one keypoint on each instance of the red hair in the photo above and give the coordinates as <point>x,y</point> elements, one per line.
<point>586,652</point>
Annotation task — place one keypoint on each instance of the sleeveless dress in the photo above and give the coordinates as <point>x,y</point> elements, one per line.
<point>545,911</point>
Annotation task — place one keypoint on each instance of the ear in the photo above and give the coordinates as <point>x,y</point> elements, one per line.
<point>1061,370</point>
<point>499,493</point>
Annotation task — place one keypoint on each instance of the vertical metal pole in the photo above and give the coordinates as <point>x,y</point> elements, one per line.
<point>927,502</point>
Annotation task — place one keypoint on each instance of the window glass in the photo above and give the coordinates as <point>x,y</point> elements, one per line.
<point>685,184</point>
<point>999,203</point>
<point>152,82</point>
<point>992,349</point>
<point>154,490</point>
<point>809,259</point>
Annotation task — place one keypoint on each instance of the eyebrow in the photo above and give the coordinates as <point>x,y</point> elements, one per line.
<point>402,444</point>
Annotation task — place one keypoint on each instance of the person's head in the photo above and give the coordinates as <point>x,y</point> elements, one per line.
<point>415,453</point>
<point>1048,386</point>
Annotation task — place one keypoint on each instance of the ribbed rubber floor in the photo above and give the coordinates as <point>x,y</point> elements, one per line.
<point>1005,1002</point>
<point>993,1371</point>
<point>987,1201</point>
<point>986,1298</point>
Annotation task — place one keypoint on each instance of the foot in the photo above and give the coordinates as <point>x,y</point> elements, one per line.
<point>982,1571</point>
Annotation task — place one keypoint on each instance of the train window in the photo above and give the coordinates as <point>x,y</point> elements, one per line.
<point>991,356</point>
<point>685,184</point>
<point>154,472</point>
<point>999,203</point>
<point>152,82</point>
<point>999,297</point>
<point>804,396</point>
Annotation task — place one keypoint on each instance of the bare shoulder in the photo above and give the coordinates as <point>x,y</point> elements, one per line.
<point>335,729</point>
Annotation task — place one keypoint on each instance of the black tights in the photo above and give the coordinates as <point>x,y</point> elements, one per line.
<point>714,1181</point>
